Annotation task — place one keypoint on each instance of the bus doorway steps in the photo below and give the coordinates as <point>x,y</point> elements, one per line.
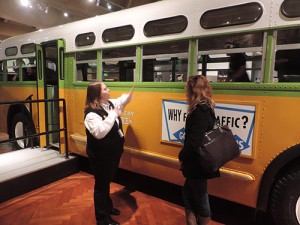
<point>25,170</point>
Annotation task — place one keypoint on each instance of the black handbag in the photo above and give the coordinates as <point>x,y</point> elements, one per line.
<point>219,147</point>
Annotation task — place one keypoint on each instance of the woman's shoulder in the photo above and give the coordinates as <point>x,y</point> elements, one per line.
<point>203,107</point>
<point>91,110</point>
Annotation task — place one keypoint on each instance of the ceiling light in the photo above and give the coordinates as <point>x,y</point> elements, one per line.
<point>39,6</point>
<point>66,14</point>
<point>108,6</point>
<point>25,3</point>
<point>97,2</point>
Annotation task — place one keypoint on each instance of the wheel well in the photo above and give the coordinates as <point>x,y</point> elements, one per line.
<point>276,169</point>
<point>12,111</point>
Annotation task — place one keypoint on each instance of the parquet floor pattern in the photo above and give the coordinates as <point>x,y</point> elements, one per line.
<point>70,202</point>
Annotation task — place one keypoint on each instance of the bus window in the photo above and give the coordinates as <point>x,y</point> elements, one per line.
<point>290,8</point>
<point>233,58</point>
<point>287,58</point>
<point>118,33</point>
<point>28,70</point>
<point>14,69</point>
<point>119,64</point>
<point>86,66</point>
<point>167,62</point>
<point>231,67</point>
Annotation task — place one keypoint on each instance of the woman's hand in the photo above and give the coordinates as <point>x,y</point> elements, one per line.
<point>127,98</point>
<point>119,110</point>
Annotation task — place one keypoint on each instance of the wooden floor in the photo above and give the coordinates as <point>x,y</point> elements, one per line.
<point>70,202</point>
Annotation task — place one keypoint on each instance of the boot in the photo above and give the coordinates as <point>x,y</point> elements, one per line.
<point>190,217</point>
<point>203,220</point>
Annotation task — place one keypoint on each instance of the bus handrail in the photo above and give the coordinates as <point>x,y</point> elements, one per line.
<point>65,129</point>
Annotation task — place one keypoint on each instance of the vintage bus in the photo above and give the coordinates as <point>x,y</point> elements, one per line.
<point>155,48</point>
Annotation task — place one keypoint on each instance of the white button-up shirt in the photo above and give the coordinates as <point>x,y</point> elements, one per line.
<point>99,127</point>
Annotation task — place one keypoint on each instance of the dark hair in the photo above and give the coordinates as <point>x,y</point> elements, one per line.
<point>93,95</point>
<point>198,90</point>
<point>237,60</point>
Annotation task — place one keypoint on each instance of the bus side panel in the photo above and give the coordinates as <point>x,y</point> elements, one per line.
<point>146,152</point>
<point>266,145</point>
<point>77,137</point>
<point>142,122</point>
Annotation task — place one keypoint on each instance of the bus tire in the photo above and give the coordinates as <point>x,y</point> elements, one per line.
<point>285,198</point>
<point>20,127</point>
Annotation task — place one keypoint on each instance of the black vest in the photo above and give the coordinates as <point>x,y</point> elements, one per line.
<point>111,146</point>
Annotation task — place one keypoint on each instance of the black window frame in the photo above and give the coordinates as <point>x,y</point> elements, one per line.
<point>9,48</point>
<point>156,27</point>
<point>30,47</point>
<point>117,34</point>
<point>210,15</point>
<point>80,38</point>
<point>285,11</point>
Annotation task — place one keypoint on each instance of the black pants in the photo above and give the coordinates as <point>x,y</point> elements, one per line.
<point>104,172</point>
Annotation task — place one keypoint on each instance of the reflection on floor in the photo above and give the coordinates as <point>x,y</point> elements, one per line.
<point>70,201</point>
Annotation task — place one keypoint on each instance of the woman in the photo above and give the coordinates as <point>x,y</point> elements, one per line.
<point>104,148</point>
<point>199,120</point>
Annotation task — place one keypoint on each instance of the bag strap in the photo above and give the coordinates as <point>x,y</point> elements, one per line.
<point>216,122</point>
<point>213,115</point>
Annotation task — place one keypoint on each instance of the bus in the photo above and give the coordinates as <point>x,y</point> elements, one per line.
<point>156,47</point>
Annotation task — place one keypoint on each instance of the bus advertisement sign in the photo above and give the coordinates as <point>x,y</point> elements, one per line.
<point>239,118</point>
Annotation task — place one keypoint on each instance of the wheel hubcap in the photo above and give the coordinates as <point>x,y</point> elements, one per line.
<point>298,210</point>
<point>19,132</point>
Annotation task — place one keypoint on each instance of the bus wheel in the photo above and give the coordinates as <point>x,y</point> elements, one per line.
<point>285,198</point>
<point>21,127</point>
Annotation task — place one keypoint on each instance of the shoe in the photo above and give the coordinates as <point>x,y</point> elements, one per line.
<point>112,222</point>
<point>108,221</point>
<point>115,212</point>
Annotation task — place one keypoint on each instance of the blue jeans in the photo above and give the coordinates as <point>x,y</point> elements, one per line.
<point>195,197</point>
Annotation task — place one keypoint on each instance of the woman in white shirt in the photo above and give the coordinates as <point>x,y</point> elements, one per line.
<point>105,142</point>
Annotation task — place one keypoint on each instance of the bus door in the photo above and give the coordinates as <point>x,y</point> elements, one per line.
<point>50,81</point>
